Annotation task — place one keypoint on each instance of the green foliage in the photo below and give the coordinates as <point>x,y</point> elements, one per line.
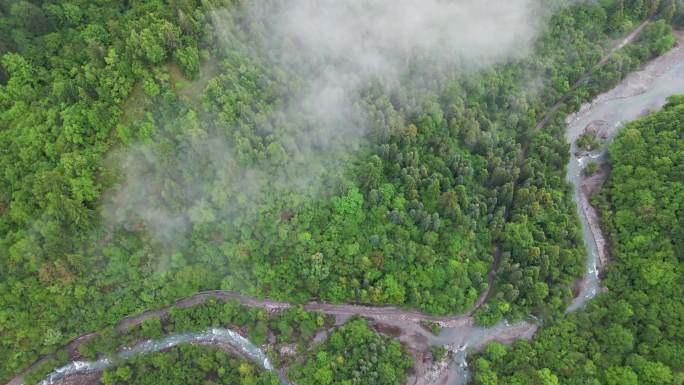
<point>438,353</point>
<point>293,324</point>
<point>188,364</point>
<point>413,218</point>
<point>354,353</point>
<point>151,328</point>
<point>591,168</point>
<point>588,142</point>
<point>66,69</point>
<point>434,327</point>
<point>35,376</point>
<point>633,334</point>
<point>296,325</point>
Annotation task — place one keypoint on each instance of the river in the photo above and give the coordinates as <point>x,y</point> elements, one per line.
<point>639,93</point>
<point>212,336</point>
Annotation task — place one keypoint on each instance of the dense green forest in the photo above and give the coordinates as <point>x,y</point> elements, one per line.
<point>146,154</point>
<point>188,364</point>
<point>291,326</point>
<point>354,354</point>
<point>634,333</point>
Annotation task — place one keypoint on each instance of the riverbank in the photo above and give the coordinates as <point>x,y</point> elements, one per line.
<point>638,94</point>
<point>341,312</point>
<point>591,185</point>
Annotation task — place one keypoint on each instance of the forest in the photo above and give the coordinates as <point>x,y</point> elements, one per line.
<point>292,327</point>
<point>149,151</point>
<point>633,334</point>
<point>188,364</point>
<point>354,354</point>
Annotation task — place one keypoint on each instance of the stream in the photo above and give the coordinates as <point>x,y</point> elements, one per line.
<point>215,336</point>
<point>639,93</point>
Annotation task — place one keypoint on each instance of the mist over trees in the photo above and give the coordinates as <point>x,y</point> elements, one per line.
<point>151,150</point>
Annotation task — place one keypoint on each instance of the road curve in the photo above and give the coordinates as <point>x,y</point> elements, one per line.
<point>375,313</point>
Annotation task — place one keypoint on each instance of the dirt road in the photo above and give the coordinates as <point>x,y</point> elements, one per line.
<point>373,313</point>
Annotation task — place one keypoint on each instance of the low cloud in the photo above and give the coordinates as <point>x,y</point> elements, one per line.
<point>335,49</point>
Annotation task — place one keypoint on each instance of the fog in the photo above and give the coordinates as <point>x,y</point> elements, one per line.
<point>335,51</point>
<point>378,38</point>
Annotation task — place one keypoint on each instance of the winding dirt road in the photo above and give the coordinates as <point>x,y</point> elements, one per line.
<point>374,313</point>
<point>379,314</point>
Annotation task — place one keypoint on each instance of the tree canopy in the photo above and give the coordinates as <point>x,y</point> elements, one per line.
<point>147,154</point>
<point>188,364</point>
<point>634,333</point>
<point>354,354</point>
